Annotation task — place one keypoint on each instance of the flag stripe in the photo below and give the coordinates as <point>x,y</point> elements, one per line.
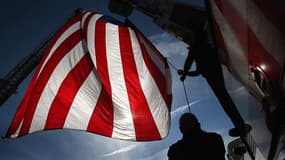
<point>157,104</point>
<point>100,120</point>
<point>55,41</point>
<point>251,46</point>
<point>154,61</point>
<point>157,61</point>
<point>123,120</point>
<point>158,67</point>
<point>52,87</point>
<point>84,24</point>
<point>67,92</point>
<point>139,107</point>
<point>238,26</point>
<point>273,11</point>
<point>91,37</point>
<point>102,117</point>
<point>158,76</point>
<point>69,31</point>
<point>234,47</point>
<point>49,68</point>
<point>82,107</point>
<point>266,33</point>
<point>19,115</point>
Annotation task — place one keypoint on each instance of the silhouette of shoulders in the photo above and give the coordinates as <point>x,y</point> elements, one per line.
<point>199,146</point>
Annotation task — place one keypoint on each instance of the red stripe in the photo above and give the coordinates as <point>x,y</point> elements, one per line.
<point>101,121</point>
<point>24,103</point>
<point>159,78</point>
<point>167,97</point>
<point>156,73</point>
<point>253,49</point>
<point>238,25</point>
<point>156,52</point>
<point>145,127</point>
<point>19,115</point>
<point>67,92</point>
<point>100,49</point>
<point>274,11</point>
<point>60,52</point>
<point>85,25</point>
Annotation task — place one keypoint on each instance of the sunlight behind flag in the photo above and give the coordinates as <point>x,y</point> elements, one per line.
<point>101,76</point>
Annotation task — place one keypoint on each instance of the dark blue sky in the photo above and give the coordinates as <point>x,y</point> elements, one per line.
<point>25,24</point>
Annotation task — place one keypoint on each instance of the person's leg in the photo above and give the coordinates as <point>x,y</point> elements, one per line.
<point>216,82</point>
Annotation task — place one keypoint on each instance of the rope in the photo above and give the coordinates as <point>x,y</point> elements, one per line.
<point>172,65</point>
<point>186,96</point>
<point>185,92</point>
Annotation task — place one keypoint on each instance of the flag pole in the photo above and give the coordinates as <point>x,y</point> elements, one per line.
<point>10,82</point>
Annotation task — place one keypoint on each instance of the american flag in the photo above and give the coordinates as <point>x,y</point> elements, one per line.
<point>99,77</point>
<point>251,33</point>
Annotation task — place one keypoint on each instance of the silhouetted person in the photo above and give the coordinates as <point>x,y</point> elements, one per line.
<point>196,144</point>
<point>208,65</point>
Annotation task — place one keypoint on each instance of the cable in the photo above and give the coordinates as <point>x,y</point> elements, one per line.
<point>172,65</point>
<point>185,92</point>
<point>186,97</point>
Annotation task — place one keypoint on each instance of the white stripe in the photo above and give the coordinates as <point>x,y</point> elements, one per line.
<point>84,103</point>
<point>91,37</point>
<point>123,127</point>
<point>75,27</point>
<point>52,86</point>
<point>160,64</point>
<point>266,33</point>
<point>15,135</point>
<point>156,103</point>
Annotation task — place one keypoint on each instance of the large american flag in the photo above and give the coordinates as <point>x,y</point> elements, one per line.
<point>100,77</point>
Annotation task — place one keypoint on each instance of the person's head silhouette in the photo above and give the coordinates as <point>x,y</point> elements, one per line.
<point>188,123</point>
<point>196,142</point>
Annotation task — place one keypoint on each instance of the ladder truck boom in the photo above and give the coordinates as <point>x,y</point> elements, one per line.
<point>10,82</point>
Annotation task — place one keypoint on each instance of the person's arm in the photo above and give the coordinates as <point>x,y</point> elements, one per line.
<point>187,65</point>
<point>188,62</point>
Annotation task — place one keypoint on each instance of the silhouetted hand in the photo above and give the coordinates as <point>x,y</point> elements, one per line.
<point>180,71</point>
<point>182,74</point>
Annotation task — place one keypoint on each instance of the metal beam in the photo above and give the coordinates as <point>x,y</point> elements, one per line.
<point>10,82</point>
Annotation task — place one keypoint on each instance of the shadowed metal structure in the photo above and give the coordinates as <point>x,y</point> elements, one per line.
<point>10,82</point>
